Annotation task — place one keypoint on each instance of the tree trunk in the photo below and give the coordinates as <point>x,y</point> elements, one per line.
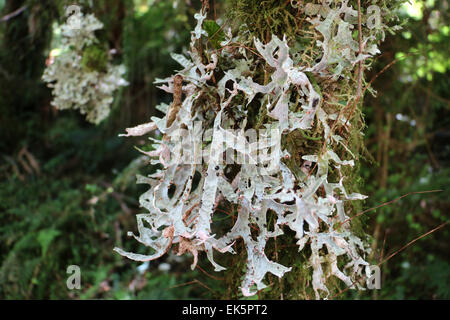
<point>26,37</point>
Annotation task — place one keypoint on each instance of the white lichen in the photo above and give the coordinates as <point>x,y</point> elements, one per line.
<point>310,205</point>
<point>73,85</point>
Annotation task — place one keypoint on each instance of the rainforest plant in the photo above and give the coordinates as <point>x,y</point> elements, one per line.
<point>292,71</point>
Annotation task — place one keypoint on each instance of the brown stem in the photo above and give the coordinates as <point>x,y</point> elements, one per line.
<point>361,63</point>
<point>177,100</point>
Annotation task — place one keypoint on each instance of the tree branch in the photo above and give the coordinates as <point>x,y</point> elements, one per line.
<point>13,14</point>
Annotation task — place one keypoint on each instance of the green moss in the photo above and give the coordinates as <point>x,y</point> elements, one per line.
<point>264,18</point>
<point>235,273</point>
<point>295,284</point>
<point>94,58</point>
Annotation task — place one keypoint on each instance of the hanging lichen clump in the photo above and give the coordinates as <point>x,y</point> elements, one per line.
<point>81,75</point>
<point>296,93</point>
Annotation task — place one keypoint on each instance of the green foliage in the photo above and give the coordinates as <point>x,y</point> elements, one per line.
<point>45,232</point>
<point>215,33</point>
<point>49,223</point>
<point>45,237</point>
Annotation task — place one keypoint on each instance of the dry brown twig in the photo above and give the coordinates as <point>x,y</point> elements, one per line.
<point>413,241</point>
<point>210,275</point>
<point>195,281</point>
<point>387,203</point>
<point>177,100</point>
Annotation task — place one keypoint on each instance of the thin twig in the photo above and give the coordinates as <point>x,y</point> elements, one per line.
<point>392,255</point>
<point>237,45</point>
<point>209,275</point>
<point>195,281</point>
<point>13,14</point>
<point>411,242</point>
<point>384,244</point>
<point>386,203</point>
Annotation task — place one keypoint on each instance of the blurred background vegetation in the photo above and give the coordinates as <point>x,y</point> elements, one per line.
<point>67,188</point>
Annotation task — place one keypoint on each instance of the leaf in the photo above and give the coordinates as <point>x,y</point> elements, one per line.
<point>215,33</point>
<point>46,237</point>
